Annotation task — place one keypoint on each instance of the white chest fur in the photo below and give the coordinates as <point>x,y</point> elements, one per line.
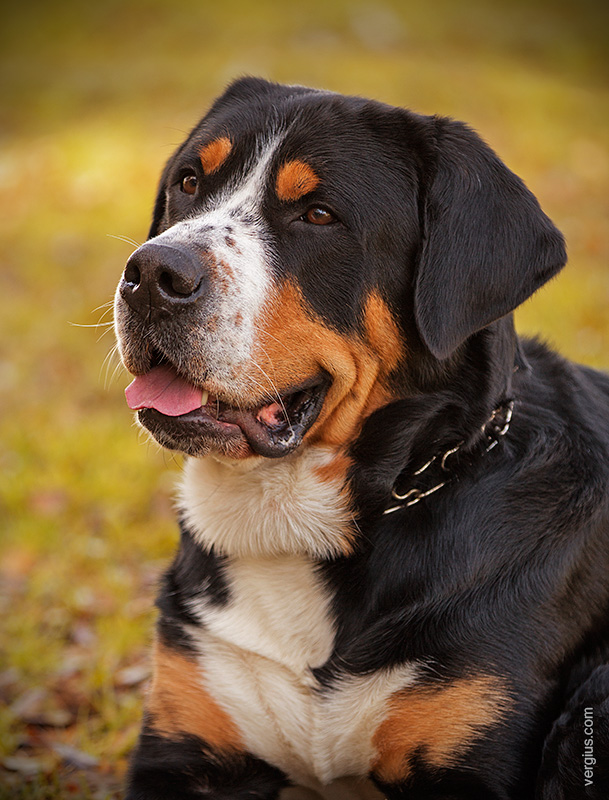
<point>272,519</point>
<point>256,656</point>
<point>266,506</point>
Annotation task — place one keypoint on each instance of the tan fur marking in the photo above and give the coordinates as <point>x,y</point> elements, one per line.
<point>442,722</point>
<point>214,154</point>
<point>294,180</point>
<point>382,331</point>
<point>178,702</point>
<point>335,470</point>
<point>385,339</point>
<point>296,344</point>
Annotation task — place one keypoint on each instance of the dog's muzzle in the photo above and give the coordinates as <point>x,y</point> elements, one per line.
<point>192,386</point>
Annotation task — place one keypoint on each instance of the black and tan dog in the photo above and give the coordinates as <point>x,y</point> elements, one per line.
<point>393,576</point>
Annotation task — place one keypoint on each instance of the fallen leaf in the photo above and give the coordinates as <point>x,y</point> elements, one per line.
<point>27,766</point>
<point>50,718</point>
<point>83,634</point>
<point>9,681</point>
<point>73,757</point>
<point>29,703</point>
<point>132,676</point>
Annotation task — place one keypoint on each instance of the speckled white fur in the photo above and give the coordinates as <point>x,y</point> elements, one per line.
<point>244,269</point>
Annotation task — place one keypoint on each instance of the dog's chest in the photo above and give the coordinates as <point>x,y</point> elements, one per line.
<point>258,650</point>
<point>256,658</point>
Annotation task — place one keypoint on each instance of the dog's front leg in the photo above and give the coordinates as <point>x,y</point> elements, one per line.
<point>189,747</point>
<point>187,768</point>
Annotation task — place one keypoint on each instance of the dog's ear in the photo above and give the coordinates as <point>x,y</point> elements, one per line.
<point>487,245</point>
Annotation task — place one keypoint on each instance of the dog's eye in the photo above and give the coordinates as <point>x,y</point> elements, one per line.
<point>189,184</point>
<point>319,216</point>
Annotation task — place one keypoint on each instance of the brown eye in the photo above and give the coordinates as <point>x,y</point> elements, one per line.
<point>189,184</point>
<point>319,216</point>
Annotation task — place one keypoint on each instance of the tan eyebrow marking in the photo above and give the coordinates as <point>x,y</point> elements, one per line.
<point>295,179</point>
<point>215,153</point>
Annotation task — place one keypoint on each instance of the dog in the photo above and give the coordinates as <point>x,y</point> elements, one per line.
<point>393,572</point>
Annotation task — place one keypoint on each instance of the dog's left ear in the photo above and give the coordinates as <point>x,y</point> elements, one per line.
<point>160,203</point>
<point>487,245</point>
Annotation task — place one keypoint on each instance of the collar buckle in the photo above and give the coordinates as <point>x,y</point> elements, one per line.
<point>497,425</point>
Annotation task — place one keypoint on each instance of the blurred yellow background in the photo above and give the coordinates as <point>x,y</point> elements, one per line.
<point>93,98</point>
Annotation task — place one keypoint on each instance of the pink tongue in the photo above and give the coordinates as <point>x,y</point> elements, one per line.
<point>163,389</point>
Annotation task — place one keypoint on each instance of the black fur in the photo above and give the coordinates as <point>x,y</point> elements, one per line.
<point>185,767</point>
<point>487,244</point>
<point>506,569</point>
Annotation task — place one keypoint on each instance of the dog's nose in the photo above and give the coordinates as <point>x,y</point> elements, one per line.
<point>160,278</point>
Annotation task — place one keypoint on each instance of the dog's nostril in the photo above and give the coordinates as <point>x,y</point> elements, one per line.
<point>166,283</point>
<point>176,285</point>
<point>132,275</point>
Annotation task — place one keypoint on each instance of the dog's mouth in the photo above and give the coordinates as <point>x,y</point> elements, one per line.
<point>185,417</point>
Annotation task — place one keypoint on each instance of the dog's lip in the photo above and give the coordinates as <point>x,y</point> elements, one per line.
<point>272,428</point>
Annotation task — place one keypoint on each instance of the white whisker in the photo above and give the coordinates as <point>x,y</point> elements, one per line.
<point>283,344</point>
<point>276,392</point>
<point>92,325</point>
<point>125,239</point>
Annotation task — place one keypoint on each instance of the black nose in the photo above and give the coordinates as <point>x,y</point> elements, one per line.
<point>159,278</point>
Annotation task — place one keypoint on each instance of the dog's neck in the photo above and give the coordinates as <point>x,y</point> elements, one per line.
<point>288,506</point>
<point>298,506</point>
<point>450,403</point>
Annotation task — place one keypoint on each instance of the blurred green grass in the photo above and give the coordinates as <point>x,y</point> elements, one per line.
<point>93,98</point>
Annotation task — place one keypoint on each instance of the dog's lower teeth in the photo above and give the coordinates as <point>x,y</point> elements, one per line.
<point>204,398</point>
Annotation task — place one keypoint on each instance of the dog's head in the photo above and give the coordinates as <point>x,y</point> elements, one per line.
<point>305,249</point>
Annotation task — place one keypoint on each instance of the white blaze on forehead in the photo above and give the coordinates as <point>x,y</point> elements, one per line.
<point>230,237</point>
<point>244,196</point>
